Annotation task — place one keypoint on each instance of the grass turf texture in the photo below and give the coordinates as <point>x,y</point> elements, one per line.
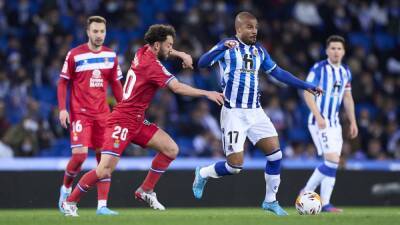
<point>208,216</point>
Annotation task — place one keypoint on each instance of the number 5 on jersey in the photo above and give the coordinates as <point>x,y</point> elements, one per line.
<point>120,133</point>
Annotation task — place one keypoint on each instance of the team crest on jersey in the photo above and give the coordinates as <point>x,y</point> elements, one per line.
<point>75,137</point>
<point>96,80</point>
<point>255,52</point>
<point>116,143</point>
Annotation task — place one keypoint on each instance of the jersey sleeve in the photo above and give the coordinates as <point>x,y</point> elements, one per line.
<point>160,75</point>
<point>68,67</point>
<point>267,63</point>
<point>314,75</point>
<point>116,71</point>
<point>213,55</point>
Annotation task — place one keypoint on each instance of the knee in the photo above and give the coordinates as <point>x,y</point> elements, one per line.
<point>79,158</point>
<point>103,172</point>
<point>171,150</point>
<point>332,157</point>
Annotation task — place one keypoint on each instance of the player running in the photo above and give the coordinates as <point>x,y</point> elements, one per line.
<point>127,123</point>
<point>323,122</point>
<point>240,59</point>
<point>88,69</point>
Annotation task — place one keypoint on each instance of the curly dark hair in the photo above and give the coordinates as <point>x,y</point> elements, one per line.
<point>159,32</point>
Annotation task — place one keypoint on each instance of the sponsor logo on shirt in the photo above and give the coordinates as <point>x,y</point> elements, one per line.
<point>96,80</point>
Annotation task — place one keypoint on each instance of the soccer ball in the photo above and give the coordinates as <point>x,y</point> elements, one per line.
<point>308,203</point>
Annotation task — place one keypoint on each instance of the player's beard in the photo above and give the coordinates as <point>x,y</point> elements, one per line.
<point>251,40</point>
<point>162,55</point>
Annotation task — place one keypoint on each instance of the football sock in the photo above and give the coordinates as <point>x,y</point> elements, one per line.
<point>73,168</point>
<point>158,167</point>
<point>314,180</point>
<point>103,187</point>
<point>101,203</point>
<point>328,182</point>
<point>84,185</point>
<point>272,175</point>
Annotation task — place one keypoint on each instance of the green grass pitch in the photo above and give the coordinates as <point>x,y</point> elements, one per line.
<point>207,216</point>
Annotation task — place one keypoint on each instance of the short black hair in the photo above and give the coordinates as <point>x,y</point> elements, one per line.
<point>95,19</point>
<point>159,32</point>
<point>335,38</point>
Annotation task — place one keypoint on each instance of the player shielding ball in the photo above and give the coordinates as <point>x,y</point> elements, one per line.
<point>88,70</point>
<point>127,123</point>
<point>240,58</point>
<point>323,122</point>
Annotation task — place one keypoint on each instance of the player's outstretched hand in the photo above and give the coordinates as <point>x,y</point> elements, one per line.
<point>231,43</point>
<point>64,118</point>
<point>187,61</point>
<point>216,97</point>
<point>317,91</point>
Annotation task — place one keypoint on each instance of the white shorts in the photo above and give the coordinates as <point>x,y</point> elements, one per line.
<point>327,140</point>
<point>237,124</point>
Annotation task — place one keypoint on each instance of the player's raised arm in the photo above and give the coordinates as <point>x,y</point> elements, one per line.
<point>216,53</point>
<point>286,77</point>
<point>183,89</point>
<point>187,61</point>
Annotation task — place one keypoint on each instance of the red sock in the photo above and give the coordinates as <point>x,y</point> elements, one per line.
<point>103,186</point>
<point>73,168</point>
<point>158,167</point>
<point>85,184</point>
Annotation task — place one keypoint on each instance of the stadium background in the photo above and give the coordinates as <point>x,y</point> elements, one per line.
<point>36,35</point>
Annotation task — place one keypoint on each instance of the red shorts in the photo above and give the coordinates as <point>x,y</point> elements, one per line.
<point>120,132</point>
<point>87,132</point>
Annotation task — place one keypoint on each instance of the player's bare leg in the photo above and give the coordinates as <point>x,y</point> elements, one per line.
<point>270,146</point>
<point>79,155</point>
<point>103,188</point>
<point>167,152</point>
<point>89,180</point>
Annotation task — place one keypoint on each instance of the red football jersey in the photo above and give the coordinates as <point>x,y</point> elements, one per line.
<point>89,73</point>
<point>144,78</point>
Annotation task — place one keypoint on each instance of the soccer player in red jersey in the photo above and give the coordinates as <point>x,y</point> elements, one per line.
<point>88,69</point>
<point>127,123</point>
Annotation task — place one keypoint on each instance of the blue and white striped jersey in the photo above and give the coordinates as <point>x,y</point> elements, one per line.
<point>334,81</point>
<point>239,73</point>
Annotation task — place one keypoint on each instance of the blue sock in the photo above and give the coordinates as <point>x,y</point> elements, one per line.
<point>328,168</point>
<point>273,166</point>
<point>272,175</point>
<point>223,168</point>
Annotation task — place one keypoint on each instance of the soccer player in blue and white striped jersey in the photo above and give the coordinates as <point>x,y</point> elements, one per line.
<point>240,58</point>
<point>334,77</point>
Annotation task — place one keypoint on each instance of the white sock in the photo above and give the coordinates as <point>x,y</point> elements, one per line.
<point>326,189</point>
<point>65,189</point>
<point>314,180</point>
<point>208,171</point>
<point>101,203</point>
<point>271,186</point>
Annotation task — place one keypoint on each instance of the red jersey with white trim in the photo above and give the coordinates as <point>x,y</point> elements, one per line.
<point>144,78</point>
<point>89,73</point>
